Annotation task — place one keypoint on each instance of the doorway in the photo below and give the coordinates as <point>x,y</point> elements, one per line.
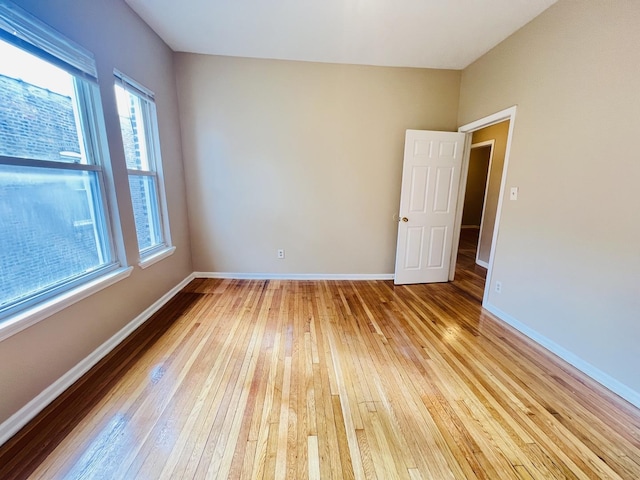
<point>477,187</point>
<point>471,266</point>
<point>497,128</point>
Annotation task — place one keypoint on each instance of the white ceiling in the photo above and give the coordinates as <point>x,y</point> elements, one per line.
<point>411,33</point>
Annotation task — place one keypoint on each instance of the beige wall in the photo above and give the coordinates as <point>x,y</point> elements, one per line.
<point>301,156</point>
<point>36,357</point>
<point>498,132</point>
<point>567,252</point>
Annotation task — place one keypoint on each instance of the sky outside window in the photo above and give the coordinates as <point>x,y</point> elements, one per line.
<point>21,65</point>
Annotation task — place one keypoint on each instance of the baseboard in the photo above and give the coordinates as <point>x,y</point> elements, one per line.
<point>482,264</point>
<point>13,424</point>
<point>599,376</point>
<point>295,276</point>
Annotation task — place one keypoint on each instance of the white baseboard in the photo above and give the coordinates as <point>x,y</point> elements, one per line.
<point>295,276</point>
<point>19,419</point>
<point>599,376</point>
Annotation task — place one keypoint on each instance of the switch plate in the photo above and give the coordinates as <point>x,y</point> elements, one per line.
<point>513,193</point>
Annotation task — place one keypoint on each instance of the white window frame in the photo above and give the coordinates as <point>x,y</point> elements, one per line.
<point>155,253</point>
<point>21,29</point>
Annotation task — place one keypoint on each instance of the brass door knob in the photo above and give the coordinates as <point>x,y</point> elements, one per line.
<point>404,219</point>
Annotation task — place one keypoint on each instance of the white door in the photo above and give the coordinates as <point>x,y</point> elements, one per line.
<point>430,180</point>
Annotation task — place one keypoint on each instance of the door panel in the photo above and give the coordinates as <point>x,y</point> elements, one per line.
<point>419,181</point>
<point>430,180</point>
<point>443,185</point>
<point>415,241</point>
<point>437,247</point>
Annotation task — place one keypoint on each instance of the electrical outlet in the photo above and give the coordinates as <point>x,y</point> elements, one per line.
<point>281,253</point>
<point>498,287</point>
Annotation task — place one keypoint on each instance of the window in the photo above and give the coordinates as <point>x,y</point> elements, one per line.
<point>139,128</point>
<point>55,232</point>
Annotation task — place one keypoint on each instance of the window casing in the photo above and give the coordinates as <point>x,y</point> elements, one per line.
<point>56,232</point>
<point>139,129</point>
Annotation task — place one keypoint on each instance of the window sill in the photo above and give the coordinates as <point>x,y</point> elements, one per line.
<point>156,257</point>
<point>33,315</point>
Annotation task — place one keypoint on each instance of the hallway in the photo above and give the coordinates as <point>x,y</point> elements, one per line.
<point>470,277</point>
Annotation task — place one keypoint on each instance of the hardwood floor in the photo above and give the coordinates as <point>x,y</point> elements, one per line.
<point>330,380</point>
<point>469,277</point>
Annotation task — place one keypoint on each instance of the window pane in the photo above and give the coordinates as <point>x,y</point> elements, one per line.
<point>51,229</point>
<point>145,211</point>
<point>133,129</point>
<point>138,126</point>
<point>38,109</point>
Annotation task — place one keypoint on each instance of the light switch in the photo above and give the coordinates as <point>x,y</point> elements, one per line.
<point>513,193</point>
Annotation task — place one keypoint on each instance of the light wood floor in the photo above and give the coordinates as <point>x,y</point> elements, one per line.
<point>330,380</point>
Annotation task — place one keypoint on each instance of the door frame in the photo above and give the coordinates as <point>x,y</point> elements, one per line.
<point>491,144</point>
<point>468,129</point>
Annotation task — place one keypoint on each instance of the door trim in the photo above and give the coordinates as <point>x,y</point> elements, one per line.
<point>468,129</point>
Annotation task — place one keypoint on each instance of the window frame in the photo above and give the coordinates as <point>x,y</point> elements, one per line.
<point>24,31</point>
<point>149,256</point>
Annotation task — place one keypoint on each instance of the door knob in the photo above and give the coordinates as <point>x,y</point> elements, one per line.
<point>404,219</point>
